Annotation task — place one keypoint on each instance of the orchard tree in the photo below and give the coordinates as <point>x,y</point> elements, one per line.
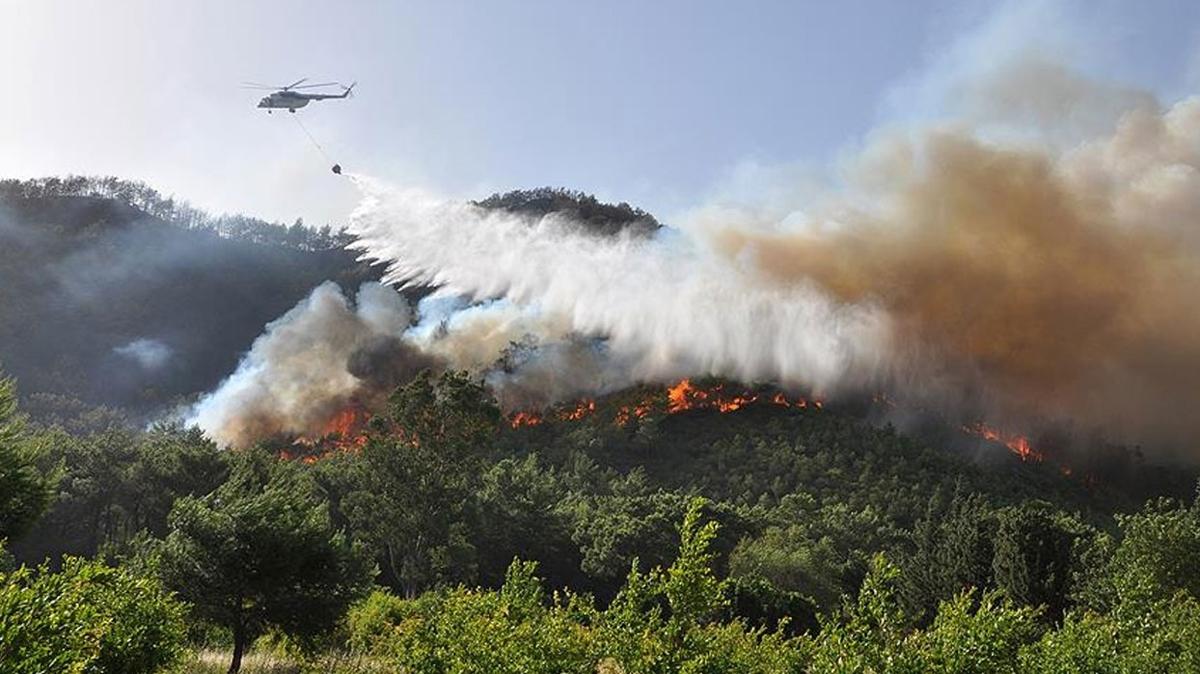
<point>1159,552</point>
<point>259,552</point>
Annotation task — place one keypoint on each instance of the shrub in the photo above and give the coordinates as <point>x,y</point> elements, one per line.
<point>88,618</point>
<point>666,620</point>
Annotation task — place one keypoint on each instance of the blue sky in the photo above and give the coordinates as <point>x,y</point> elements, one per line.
<point>656,103</point>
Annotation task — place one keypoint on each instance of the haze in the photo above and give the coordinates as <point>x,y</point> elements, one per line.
<point>659,104</point>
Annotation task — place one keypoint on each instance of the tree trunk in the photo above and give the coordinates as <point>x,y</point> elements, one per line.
<point>239,647</point>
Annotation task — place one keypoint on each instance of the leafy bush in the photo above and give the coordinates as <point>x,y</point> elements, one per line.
<point>1162,637</point>
<point>373,620</point>
<point>661,621</point>
<point>88,618</point>
<point>976,634</point>
<point>465,630</point>
<point>24,490</point>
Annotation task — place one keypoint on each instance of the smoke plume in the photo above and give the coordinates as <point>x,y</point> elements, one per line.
<point>1059,284</point>
<point>1024,274</point>
<point>321,356</point>
<point>1013,279</point>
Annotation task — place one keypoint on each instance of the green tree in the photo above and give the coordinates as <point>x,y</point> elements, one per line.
<point>951,550</point>
<point>974,634</point>
<point>1033,562</point>
<point>1159,636</point>
<point>521,513</point>
<point>869,635</point>
<point>420,474</point>
<point>258,553</point>
<point>790,561</point>
<point>24,490</point>
<point>663,621</point>
<point>510,631</point>
<point>1159,552</point>
<point>628,519</point>
<point>118,482</point>
<point>692,590</point>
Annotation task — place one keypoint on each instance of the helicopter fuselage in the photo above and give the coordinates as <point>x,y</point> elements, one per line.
<point>285,100</point>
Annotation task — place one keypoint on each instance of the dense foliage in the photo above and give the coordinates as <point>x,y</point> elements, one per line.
<point>771,539</point>
<point>666,621</point>
<point>24,490</point>
<point>87,618</point>
<point>259,553</point>
<point>145,200</point>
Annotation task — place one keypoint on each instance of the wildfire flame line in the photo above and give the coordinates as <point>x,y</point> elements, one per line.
<point>1018,444</point>
<point>681,396</point>
<point>346,430</point>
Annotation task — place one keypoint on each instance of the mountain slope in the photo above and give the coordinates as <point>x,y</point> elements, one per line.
<point>102,301</point>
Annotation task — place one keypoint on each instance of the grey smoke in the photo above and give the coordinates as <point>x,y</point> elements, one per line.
<point>325,353</point>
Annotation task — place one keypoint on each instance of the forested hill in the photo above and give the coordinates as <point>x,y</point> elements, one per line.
<point>113,294</point>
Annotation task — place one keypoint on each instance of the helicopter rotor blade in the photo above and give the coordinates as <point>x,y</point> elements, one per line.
<point>313,86</point>
<point>293,84</point>
<point>256,85</point>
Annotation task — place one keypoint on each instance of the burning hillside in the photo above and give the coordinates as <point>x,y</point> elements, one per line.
<point>954,272</point>
<point>682,396</point>
<point>1017,444</point>
<point>347,429</point>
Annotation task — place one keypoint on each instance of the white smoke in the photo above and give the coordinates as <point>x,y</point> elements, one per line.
<point>297,374</point>
<point>666,306</point>
<point>150,354</point>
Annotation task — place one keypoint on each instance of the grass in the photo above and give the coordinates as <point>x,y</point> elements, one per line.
<point>209,661</point>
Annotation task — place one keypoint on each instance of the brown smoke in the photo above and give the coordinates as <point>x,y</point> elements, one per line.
<point>1065,285</point>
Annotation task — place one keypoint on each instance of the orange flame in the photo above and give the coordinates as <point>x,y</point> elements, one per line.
<point>686,396</point>
<point>1018,444</point>
<point>682,396</point>
<point>525,419</point>
<point>345,431</point>
<point>582,409</point>
<point>347,425</point>
<point>630,412</point>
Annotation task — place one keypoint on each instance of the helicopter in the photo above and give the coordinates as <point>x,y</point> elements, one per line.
<point>290,98</point>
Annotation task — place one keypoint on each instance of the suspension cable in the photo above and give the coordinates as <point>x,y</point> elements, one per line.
<point>310,137</point>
